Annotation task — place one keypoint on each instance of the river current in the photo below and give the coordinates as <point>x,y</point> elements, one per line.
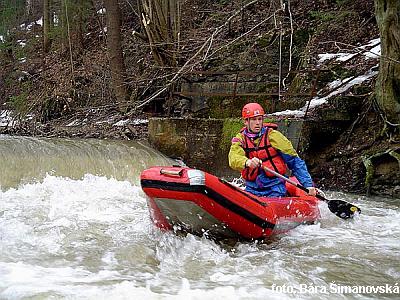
<point>74,224</point>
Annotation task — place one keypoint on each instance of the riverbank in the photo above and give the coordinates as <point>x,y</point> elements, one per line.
<point>340,165</point>
<point>99,123</point>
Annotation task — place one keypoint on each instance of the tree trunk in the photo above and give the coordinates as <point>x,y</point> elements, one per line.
<point>46,26</point>
<point>28,7</point>
<point>117,65</point>
<point>161,21</point>
<point>79,24</point>
<point>388,83</point>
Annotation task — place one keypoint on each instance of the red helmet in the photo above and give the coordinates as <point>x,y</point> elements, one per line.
<point>251,110</point>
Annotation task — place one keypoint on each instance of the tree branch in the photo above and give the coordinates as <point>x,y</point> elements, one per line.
<point>208,42</point>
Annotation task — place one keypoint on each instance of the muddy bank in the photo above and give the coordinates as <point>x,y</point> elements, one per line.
<point>100,123</point>
<point>364,159</point>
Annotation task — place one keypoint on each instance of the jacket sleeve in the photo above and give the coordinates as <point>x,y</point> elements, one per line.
<point>289,155</point>
<point>237,157</point>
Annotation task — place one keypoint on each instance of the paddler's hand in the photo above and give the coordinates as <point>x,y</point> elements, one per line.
<point>253,163</point>
<point>312,191</point>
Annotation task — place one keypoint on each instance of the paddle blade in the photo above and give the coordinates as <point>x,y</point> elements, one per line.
<point>343,209</point>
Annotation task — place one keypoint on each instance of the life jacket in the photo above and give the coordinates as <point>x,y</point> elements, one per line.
<point>269,156</point>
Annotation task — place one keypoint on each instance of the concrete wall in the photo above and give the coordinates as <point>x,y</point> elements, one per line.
<point>204,143</point>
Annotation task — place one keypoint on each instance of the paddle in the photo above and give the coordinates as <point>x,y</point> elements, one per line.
<point>340,208</point>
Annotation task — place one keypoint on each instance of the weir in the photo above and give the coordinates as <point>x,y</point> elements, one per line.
<point>29,159</point>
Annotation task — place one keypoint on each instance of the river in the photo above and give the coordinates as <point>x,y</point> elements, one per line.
<point>74,224</point>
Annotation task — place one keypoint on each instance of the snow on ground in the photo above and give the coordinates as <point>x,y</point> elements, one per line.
<point>56,20</point>
<point>2,39</point>
<point>30,25</point>
<point>374,52</point>
<point>22,43</point>
<point>347,83</point>
<point>339,86</point>
<point>6,119</point>
<point>316,101</point>
<point>101,11</point>
<point>74,123</point>
<point>139,121</point>
<point>132,122</point>
<point>120,123</point>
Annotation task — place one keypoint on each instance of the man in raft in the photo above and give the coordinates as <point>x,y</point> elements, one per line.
<point>257,145</point>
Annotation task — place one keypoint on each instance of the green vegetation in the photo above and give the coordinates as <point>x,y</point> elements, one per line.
<point>223,2</point>
<point>5,46</point>
<point>11,12</point>
<point>342,2</point>
<point>229,129</point>
<point>322,15</point>
<point>19,102</point>
<point>221,107</point>
<point>368,161</point>
<point>19,52</point>
<point>330,19</point>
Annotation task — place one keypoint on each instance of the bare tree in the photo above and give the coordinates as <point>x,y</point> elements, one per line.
<point>46,25</point>
<point>115,54</point>
<point>161,21</point>
<point>388,83</point>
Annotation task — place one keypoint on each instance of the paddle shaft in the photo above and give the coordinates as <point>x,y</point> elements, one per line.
<point>293,183</point>
<point>340,208</point>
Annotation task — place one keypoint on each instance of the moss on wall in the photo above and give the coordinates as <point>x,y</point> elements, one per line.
<point>230,107</point>
<point>230,128</point>
<point>225,107</point>
<point>167,137</point>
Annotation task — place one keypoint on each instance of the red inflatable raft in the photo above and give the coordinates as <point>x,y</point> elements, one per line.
<point>194,201</point>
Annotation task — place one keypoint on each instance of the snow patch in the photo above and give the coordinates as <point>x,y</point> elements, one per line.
<point>56,20</point>
<point>139,121</point>
<point>22,43</point>
<point>373,53</point>
<point>334,84</point>
<point>101,11</point>
<point>316,101</point>
<point>133,122</point>
<point>337,56</point>
<point>291,113</point>
<point>39,22</point>
<point>121,123</point>
<point>348,84</point>
<point>74,123</point>
<point>6,119</point>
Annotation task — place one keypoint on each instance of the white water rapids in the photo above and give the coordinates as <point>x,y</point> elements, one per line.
<point>74,224</point>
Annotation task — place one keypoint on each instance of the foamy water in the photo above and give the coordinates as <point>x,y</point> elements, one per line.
<point>92,238</point>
